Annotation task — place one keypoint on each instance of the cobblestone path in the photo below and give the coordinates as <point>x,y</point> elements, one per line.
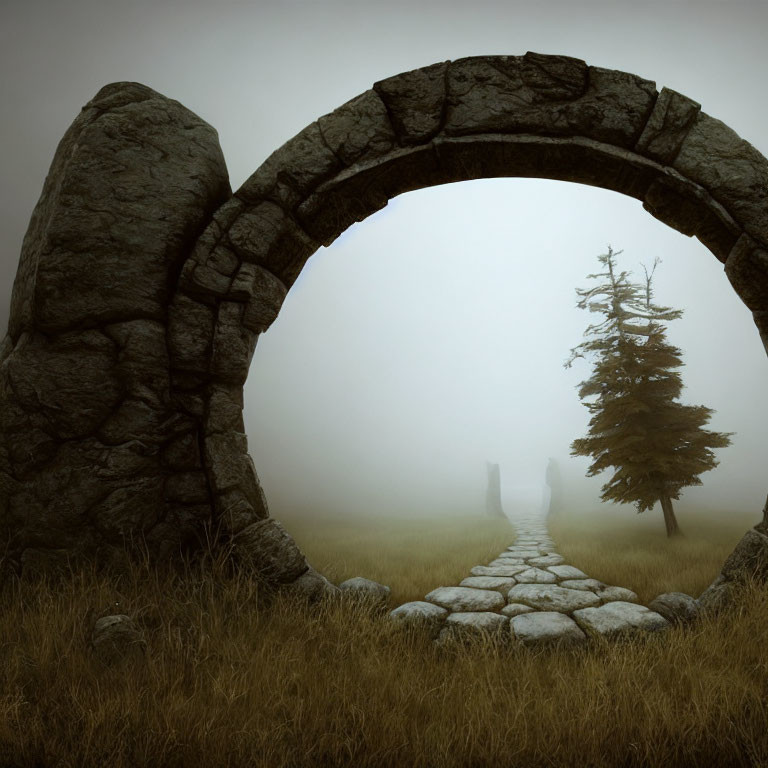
<point>529,592</point>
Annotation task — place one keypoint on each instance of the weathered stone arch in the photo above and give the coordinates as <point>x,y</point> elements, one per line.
<point>144,282</point>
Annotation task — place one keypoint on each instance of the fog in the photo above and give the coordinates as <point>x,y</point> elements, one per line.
<point>431,337</point>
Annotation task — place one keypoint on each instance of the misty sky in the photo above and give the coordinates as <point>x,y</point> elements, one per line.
<point>430,337</point>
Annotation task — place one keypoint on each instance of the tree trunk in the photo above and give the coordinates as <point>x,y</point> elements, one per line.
<point>673,529</point>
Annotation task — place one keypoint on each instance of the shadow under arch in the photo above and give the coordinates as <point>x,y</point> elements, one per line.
<point>224,271</point>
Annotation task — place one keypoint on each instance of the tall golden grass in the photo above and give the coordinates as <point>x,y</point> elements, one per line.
<point>233,679</point>
<point>632,550</point>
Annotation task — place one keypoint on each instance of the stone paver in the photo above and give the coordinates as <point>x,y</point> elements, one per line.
<point>586,584</point>
<point>610,594</point>
<point>488,582</point>
<point>516,609</point>
<point>546,626</point>
<point>549,597</point>
<point>536,576</point>
<point>547,560</point>
<point>617,617</point>
<point>498,570</point>
<point>466,599</point>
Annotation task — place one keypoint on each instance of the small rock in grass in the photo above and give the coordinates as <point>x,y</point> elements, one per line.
<point>675,607</point>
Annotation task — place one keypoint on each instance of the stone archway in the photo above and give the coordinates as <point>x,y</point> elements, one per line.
<point>144,282</point>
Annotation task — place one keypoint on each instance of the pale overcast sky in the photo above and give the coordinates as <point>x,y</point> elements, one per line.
<point>431,337</point>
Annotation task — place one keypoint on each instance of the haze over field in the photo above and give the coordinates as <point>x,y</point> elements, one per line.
<point>431,337</point>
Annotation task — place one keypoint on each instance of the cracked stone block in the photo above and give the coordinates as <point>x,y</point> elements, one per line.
<point>548,597</point>
<point>233,344</point>
<point>535,576</point>
<point>291,172</point>
<point>358,130</point>
<point>463,599</point>
<point>549,95</point>
<point>547,627</point>
<point>415,102</point>
<point>618,617</point>
<point>266,235</point>
<point>730,169</point>
<point>672,117</point>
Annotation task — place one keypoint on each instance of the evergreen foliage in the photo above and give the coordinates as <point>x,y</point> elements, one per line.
<point>656,445</point>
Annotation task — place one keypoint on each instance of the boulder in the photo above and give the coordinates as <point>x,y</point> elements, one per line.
<point>117,638</point>
<point>675,607</point>
<point>366,588</point>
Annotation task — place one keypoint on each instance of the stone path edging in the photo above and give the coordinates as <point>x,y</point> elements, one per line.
<point>530,593</point>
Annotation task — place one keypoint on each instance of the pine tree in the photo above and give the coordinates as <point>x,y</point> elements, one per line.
<point>656,445</point>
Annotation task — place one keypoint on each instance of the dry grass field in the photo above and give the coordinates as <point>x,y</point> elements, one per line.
<point>233,679</point>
